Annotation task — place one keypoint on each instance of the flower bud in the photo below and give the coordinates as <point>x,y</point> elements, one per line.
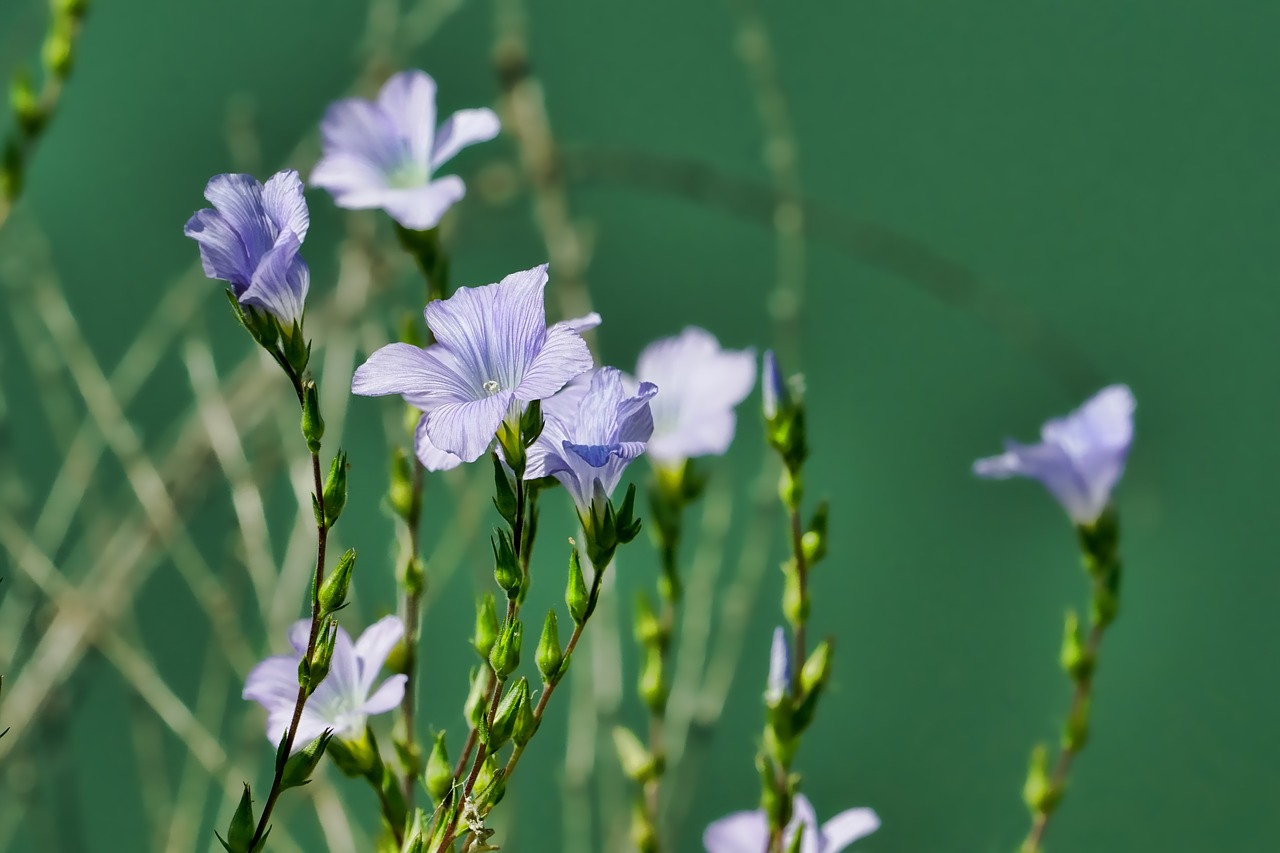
<point>814,542</point>
<point>627,525</point>
<point>526,723</point>
<point>439,776</point>
<point>1039,791</point>
<point>477,704</point>
<point>491,784</point>
<point>648,630</point>
<point>644,835</point>
<point>637,762</point>
<point>504,493</point>
<point>549,657</point>
<point>26,105</point>
<point>486,625</point>
<point>300,766</point>
<point>506,568</point>
<point>312,422</point>
<point>531,423</point>
<point>333,594</point>
<point>505,656</point>
<point>400,495</point>
<point>652,684</point>
<point>335,489</point>
<point>1076,659</point>
<point>575,595</point>
<point>504,719</point>
<point>242,826</point>
<point>357,758</point>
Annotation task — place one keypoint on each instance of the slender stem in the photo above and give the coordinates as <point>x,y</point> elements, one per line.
<point>322,537</point>
<point>412,619</point>
<point>1070,747</point>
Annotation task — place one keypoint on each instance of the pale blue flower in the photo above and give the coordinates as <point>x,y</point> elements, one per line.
<point>594,428</point>
<point>384,153</point>
<point>701,383</point>
<point>1080,457</point>
<point>493,354</point>
<point>748,832</point>
<point>779,684</point>
<point>345,699</point>
<point>251,237</point>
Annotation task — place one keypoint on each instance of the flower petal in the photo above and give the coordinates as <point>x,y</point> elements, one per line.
<point>372,648</point>
<point>393,369</point>
<point>467,429</point>
<point>805,820</point>
<point>280,283</point>
<point>463,128</point>
<point>408,99</point>
<point>582,324</point>
<point>432,457</point>
<point>285,205</point>
<point>355,182</point>
<point>564,355</point>
<point>388,695</point>
<point>363,130</point>
<point>273,683</point>
<point>222,253</point>
<point>422,207</point>
<point>741,832</point>
<point>847,827</point>
<point>239,199</point>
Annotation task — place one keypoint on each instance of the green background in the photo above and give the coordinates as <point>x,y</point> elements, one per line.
<point>1106,168</point>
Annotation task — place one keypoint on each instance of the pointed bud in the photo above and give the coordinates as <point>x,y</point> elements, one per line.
<point>486,625</point>
<point>813,679</point>
<point>637,762</point>
<point>1039,792</point>
<point>628,526</point>
<point>26,104</point>
<point>240,831</point>
<point>439,778</point>
<point>297,350</point>
<point>504,493</point>
<point>477,704</point>
<point>322,654</point>
<point>779,685</point>
<point>795,598</point>
<point>505,656</point>
<point>300,766</point>
<point>1076,659</point>
<point>312,423</point>
<point>783,414</point>
<point>549,656</point>
<point>575,595</point>
<point>513,449</point>
<point>506,568</point>
<point>333,594</point>
<point>814,541</point>
<point>490,783</point>
<point>335,489</point>
<point>652,684</point>
<point>504,719</point>
<point>644,835</point>
<point>1075,731</point>
<point>400,495</point>
<point>356,758</point>
<point>531,423</point>
<point>648,630</point>
<point>774,398</point>
<point>526,723</point>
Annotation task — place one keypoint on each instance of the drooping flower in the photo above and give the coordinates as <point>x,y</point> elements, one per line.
<point>344,699</point>
<point>251,238</point>
<point>383,153</point>
<point>748,832</point>
<point>1080,457</point>
<point>493,354</point>
<point>593,430</point>
<point>701,383</point>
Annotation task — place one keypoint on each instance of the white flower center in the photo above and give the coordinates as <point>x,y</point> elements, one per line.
<point>491,386</point>
<point>408,176</point>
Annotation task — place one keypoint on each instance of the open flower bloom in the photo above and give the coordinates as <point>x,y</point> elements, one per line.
<point>593,430</point>
<point>344,699</point>
<point>748,832</point>
<point>493,354</point>
<point>1080,457</point>
<point>701,383</point>
<point>383,153</point>
<point>251,238</point>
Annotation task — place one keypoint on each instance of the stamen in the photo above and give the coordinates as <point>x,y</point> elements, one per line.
<point>490,386</point>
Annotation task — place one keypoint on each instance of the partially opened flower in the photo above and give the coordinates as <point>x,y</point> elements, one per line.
<point>701,383</point>
<point>593,430</point>
<point>748,832</point>
<point>779,683</point>
<point>493,354</point>
<point>251,237</point>
<point>1080,457</point>
<point>344,699</point>
<point>383,153</point>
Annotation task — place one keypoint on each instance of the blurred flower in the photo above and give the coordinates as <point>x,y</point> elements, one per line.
<point>593,431</point>
<point>251,240</point>
<point>701,383</point>
<point>779,684</point>
<point>748,832</point>
<point>494,353</point>
<point>343,700</point>
<point>1080,457</point>
<point>773,386</point>
<point>382,154</point>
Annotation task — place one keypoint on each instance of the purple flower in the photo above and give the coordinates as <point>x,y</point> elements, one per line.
<point>1079,458</point>
<point>748,832</point>
<point>701,383</point>
<point>494,353</point>
<point>382,154</point>
<point>343,700</point>
<point>251,240</point>
<point>773,386</point>
<point>593,430</point>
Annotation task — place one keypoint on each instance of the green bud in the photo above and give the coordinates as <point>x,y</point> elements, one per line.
<point>477,704</point>
<point>628,526</point>
<point>505,656</point>
<point>355,758</point>
<point>531,423</point>
<point>648,630</point>
<point>486,632</point>
<point>526,723</point>
<point>791,488</point>
<point>312,422</point>
<point>575,595</point>
<point>333,594</point>
<point>549,657</point>
<point>637,762</point>
<point>513,449</point>
<point>401,495</point>
<point>652,685</point>
<point>506,565</point>
<point>504,493</point>
<point>322,655</point>
<point>335,489</point>
<point>412,576</point>
<point>504,720</point>
<point>1075,731</point>
<point>814,542</point>
<point>644,835</point>
<point>1076,659</point>
<point>57,52</point>
<point>813,679</point>
<point>297,350</point>
<point>1039,792</point>
<point>439,778</point>
<point>490,784</point>
<point>795,598</point>
<point>300,766</point>
<point>26,104</point>
<point>242,826</point>
<point>600,525</point>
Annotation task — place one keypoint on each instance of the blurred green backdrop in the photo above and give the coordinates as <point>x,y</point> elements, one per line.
<point>1106,172</point>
